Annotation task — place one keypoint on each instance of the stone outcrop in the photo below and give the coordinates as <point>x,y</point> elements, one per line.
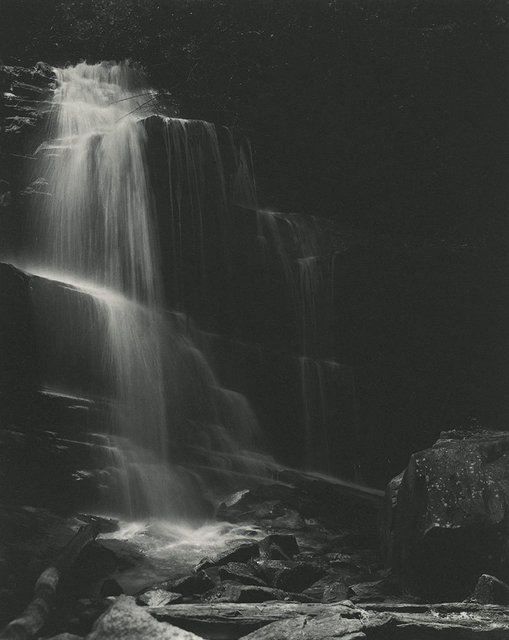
<point>24,107</point>
<point>447,518</point>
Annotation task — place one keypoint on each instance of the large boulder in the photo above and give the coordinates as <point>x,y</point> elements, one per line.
<point>447,517</point>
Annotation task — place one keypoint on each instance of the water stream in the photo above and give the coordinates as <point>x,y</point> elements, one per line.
<point>95,236</point>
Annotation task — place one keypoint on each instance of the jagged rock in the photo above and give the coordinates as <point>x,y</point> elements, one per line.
<point>450,522</point>
<point>190,585</point>
<point>327,589</point>
<point>242,553</point>
<point>491,590</point>
<point>126,621</point>
<point>270,568</point>
<point>285,542</point>
<point>298,577</point>
<point>66,636</point>
<point>205,563</point>
<point>213,574</point>
<point>240,572</point>
<point>367,591</point>
<point>158,598</point>
<point>292,576</point>
<point>334,592</point>
<point>274,552</point>
<point>234,592</point>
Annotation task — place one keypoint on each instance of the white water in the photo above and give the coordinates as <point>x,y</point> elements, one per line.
<point>97,225</point>
<point>95,235</point>
<point>166,551</point>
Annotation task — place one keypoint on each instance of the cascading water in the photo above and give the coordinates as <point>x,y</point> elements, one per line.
<point>95,233</point>
<point>97,226</point>
<point>305,256</point>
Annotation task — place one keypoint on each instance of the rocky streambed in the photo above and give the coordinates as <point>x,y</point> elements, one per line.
<point>301,559</point>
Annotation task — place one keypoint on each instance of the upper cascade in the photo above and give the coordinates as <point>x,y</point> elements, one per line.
<point>98,223</point>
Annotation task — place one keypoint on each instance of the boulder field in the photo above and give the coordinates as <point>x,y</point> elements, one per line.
<point>427,560</point>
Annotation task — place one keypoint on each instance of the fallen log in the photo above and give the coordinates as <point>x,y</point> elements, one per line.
<point>382,625</point>
<point>281,620</point>
<point>230,620</point>
<point>35,616</point>
<point>440,608</point>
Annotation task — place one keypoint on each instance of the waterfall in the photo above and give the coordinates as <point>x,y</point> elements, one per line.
<point>303,251</point>
<point>97,226</point>
<point>96,234</point>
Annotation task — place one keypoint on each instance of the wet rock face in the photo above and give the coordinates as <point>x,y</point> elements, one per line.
<point>449,521</point>
<point>490,590</point>
<point>190,585</point>
<point>25,93</point>
<point>17,343</point>
<point>25,96</point>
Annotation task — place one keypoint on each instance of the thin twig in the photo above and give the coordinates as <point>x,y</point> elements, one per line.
<point>140,106</point>
<point>140,95</point>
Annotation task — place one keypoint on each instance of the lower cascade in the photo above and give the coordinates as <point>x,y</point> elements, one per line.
<point>95,237</point>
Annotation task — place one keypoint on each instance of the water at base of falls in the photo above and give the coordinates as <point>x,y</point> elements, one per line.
<point>169,551</point>
<point>95,236</point>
